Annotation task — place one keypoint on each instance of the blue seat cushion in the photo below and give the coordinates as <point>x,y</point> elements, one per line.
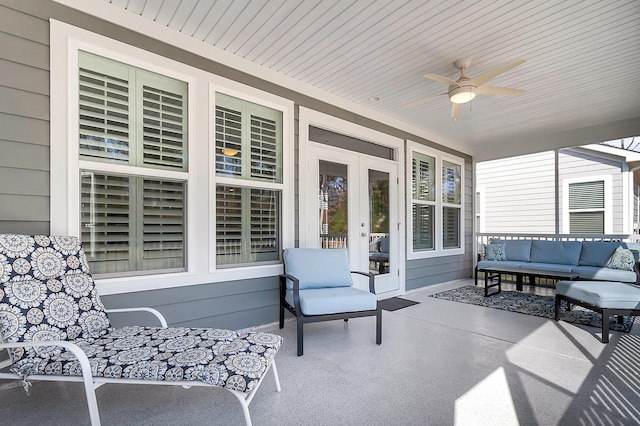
<point>604,274</point>
<point>318,268</point>
<point>604,294</point>
<point>500,263</point>
<point>320,301</point>
<point>560,252</point>
<point>548,267</point>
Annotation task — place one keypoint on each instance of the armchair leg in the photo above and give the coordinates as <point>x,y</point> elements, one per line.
<point>300,324</point>
<point>379,326</point>
<point>281,315</point>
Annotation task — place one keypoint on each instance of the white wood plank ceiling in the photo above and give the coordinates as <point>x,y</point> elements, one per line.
<point>583,58</point>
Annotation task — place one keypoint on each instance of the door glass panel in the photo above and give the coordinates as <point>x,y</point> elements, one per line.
<point>333,205</point>
<point>379,222</point>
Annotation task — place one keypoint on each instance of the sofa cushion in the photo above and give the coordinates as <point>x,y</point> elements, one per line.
<point>556,267</point>
<point>604,274</point>
<point>500,263</point>
<point>623,259</point>
<point>597,253</point>
<point>494,252</point>
<point>320,301</point>
<point>559,252</point>
<point>604,294</point>
<point>516,249</point>
<point>318,268</point>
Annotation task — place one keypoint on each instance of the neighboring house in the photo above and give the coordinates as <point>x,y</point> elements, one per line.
<point>597,192</point>
<point>185,178</point>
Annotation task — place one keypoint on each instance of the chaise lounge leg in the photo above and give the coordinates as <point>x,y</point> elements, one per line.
<point>558,306</point>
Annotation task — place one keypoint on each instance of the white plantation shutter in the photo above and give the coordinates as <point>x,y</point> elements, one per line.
<point>451,227</point>
<point>103,109</point>
<point>586,207</point>
<point>130,117</point>
<point>248,140</point>
<point>106,223</point>
<point>247,225</point>
<point>163,224</point>
<point>164,126</point>
<point>423,182</point>
<point>423,225</point>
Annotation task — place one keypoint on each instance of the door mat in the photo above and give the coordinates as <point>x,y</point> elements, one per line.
<point>395,303</point>
<point>531,304</point>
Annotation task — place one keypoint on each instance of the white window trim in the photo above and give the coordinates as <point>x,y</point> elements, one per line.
<point>66,41</point>
<point>608,201</point>
<point>439,250</point>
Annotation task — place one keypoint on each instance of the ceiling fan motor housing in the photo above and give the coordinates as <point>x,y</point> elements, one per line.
<point>463,94</point>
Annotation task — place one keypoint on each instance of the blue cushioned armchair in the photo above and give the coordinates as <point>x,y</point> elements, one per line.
<point>317,286</point>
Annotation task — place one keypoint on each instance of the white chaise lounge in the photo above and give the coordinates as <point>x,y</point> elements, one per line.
<point>55,328</point>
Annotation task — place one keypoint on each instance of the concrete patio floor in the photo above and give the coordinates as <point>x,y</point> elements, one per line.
<point>440,363</point>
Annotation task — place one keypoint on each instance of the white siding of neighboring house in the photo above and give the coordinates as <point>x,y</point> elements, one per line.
<point>577,163</point>
<point>517,194</point>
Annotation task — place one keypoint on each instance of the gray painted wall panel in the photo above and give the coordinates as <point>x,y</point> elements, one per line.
<point>21,226</point>
<point>25,25</point>
<point>23,208</point>
<point>25,104</point>
<point>22,129</point>
<point>24,182</point>
<point>24,155</point>
<point>23,51</point>
<point>24,77</point>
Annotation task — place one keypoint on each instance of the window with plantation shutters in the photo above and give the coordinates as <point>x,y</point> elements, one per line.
<point>436,203</point>
<point>248,169</point>
<point>587,207</point>
<point>132,213</point>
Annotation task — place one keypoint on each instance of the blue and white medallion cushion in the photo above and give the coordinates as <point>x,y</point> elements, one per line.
<point>47,293</point>
<point>623,259</point>
<point>495,251</point>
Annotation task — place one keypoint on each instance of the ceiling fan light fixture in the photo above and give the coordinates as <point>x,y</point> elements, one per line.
<point>462,95</point>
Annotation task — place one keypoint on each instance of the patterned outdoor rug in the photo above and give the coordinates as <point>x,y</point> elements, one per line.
<point>530,304</point>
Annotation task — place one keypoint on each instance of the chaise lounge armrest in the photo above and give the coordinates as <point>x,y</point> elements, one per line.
<point>154,312</point>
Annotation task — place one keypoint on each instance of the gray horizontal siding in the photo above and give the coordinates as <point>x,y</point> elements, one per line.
<point>24,122</point>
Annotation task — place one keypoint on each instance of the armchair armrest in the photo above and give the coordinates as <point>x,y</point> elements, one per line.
<point>372,286</point>
<point>154,312</point>
<point>296,289</point>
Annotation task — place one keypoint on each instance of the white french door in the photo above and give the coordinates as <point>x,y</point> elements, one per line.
<point>352,202</point>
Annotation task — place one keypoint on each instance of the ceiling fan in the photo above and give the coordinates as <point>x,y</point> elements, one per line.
<point>464,89</point>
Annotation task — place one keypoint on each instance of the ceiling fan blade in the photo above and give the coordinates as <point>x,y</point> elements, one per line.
<point>495,90</point>
<point>442,79</point>
<point>486,76</point>
<point>421,101</point>
<point>454,111</point>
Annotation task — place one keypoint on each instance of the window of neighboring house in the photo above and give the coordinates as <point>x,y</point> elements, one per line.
<point>436,225</point>
<point>249,185</point>
<point>587,207</point>
<point>132,149</point>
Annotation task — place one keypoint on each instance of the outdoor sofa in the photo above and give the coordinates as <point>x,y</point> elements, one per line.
<point>591,260</point>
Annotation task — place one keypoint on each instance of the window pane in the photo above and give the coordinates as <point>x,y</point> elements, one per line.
<point>423,183</point>
<point>451,227</point>
<point>247,225</point>
<point>423,226</point>
<point>586,195</point>
<point>451,182</point>
<point>131,116</point>
<point>119,236</point>
<point>333,205</point>
<point>586,222</point>
<point>248,140</point>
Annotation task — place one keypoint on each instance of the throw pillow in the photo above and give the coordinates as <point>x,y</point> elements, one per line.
<point>623,259</point>
<point>495,252</point>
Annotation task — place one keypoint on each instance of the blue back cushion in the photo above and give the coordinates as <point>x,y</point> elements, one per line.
<point>561,252</point>
<point>318,268</point>
<point>597,253</point>
<point>516,249</point>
